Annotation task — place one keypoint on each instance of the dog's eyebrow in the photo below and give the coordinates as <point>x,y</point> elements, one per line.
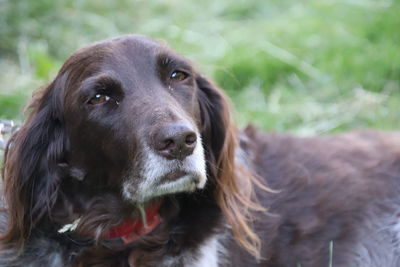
<point>166,59</point>
<point>102,79</point>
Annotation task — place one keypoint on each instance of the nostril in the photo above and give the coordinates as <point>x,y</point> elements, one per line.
<point>167,144</point>
<point>190,139</point>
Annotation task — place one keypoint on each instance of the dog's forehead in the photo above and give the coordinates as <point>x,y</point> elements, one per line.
<point>137,48</point>
<point>121,54</point>
<point>131,52</point>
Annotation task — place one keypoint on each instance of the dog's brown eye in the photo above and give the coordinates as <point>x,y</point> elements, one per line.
<point>99,99</point>
<point>178,76</point>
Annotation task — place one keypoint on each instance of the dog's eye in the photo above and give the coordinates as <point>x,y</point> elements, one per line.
<point>99,99</point>
<point>178,76</point>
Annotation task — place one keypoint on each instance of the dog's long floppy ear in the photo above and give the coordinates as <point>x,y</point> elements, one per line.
<point>30,164</point>
<point>234,183</point>
<point>217,129</point>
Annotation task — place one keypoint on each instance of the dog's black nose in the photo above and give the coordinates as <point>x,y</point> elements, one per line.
<point>175,140</point>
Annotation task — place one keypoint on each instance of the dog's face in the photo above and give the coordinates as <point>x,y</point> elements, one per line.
<point>134,119</point>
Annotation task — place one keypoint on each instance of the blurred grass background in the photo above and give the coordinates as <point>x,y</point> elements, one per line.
<point>307,67</point>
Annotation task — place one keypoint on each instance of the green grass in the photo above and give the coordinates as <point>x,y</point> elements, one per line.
<point>308,67</point>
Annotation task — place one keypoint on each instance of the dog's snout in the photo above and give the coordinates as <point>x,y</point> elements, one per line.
<point>175,140</point>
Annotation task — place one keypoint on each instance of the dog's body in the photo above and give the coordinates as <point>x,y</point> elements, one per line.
<point>129,158</point>
<point>338,200</point>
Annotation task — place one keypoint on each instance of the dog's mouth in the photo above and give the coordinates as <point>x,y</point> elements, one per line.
<point>180,179</point>
<point>172,177</point>
<point>175,181</point>
<point>154,176</point>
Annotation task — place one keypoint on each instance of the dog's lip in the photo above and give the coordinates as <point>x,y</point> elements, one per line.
<point>172,181</point>
<point>172,176</point>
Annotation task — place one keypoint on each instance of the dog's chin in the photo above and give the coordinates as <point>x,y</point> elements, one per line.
<point>171,183</point>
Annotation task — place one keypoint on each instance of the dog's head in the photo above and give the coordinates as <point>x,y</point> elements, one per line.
<point>125,122</point>
<point>133,118</point>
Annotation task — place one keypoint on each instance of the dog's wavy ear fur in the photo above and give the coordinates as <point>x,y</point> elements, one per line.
<point>30,164</point>
<point>234,183</point>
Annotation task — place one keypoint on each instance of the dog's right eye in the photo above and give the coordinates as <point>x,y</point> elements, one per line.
<point>178,76</point>
<point>98,99</point>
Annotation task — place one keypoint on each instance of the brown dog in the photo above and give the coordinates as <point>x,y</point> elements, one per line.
<point>130,158</point>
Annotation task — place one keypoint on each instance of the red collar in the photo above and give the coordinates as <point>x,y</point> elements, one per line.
<point>131,229</point>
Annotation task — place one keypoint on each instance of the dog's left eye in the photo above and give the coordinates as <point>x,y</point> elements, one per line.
<point>99,99</point>
<point>178,76</point>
